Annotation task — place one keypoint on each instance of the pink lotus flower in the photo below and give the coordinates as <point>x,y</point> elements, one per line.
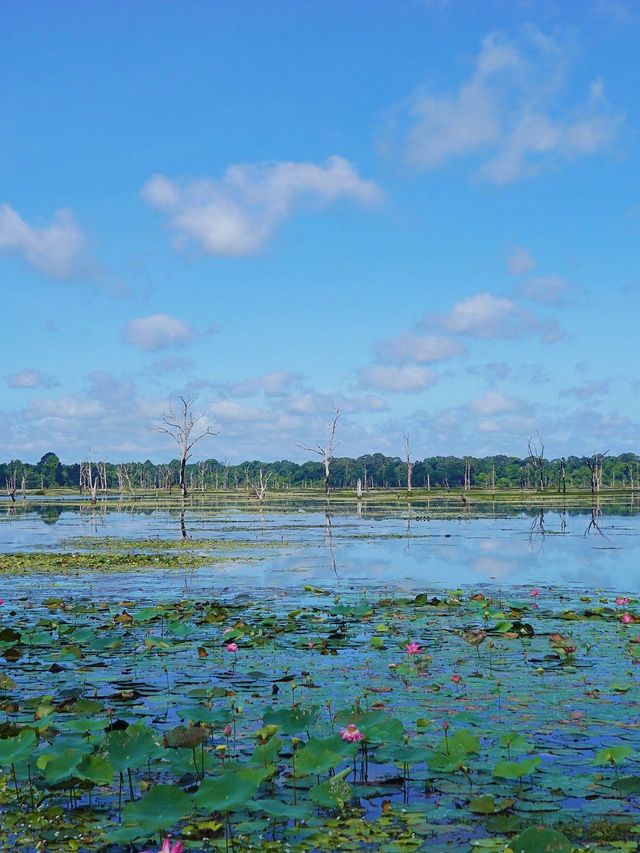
<point>622,601</point>
<point>232,647</point>
<point>445,725</point>
<point>456,679</point>
<point>626,618</point>
<point>227,730</point>
<point>413,648</point>
<point>1,600</point>
<point>167,847</point>
<point>351,734</point>
<point>534,593</point>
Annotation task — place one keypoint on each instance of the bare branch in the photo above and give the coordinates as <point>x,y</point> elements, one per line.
<point>326,452</point>
<point>180,427</point>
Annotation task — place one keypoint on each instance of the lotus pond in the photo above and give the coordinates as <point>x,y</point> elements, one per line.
<point>290,681</point>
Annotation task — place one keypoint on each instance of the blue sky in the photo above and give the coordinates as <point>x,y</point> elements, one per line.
<point>422,213</point>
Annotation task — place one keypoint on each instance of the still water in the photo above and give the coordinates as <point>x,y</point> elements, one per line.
<point>346,547</point>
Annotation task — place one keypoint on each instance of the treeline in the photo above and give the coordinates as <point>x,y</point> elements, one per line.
<point>374,471</point>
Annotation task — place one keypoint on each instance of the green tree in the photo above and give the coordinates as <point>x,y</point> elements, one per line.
<point>49,471</point>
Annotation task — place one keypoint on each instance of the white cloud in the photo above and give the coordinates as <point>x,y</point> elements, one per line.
<point>108,388</point>
<point>549,290</point>
<point>402,380</point>
<point>619,12</point>
<point>520,261</point>
<point>511,425</point>
<point>29,378</point>
<point>368,403</point>
<point>311,403</point>
<point>228,410</point>
<point>158,331</point>
<point>274,383</point>
<point>492,371</point>
<point>58,250</point>
<point>509,113</point>
<point>418,348</point>
<point>484,316</point>
<point>238,213</point>
<point>494,403</point>
<point>588,390</point>
<point>489,317</point>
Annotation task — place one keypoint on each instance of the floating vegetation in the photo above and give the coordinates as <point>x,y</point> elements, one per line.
<point>63,561</point>
<point>316,720</point>
<point>115,543</point>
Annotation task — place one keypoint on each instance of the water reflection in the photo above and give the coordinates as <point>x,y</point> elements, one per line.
<point>360,543</point>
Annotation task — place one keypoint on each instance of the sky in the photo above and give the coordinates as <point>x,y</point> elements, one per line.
<point>422,214</point>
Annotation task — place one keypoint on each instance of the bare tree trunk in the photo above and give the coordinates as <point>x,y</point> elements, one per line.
<point>102,473</point>
<point>536,455</point>
<point>408,462</point>
<point>202,471</point>
<point>594,464</point>
<point>11,485</point>
<point>260,487</point>
<point>326,452</point>
<point>181,427</point>
<point>467,474</point>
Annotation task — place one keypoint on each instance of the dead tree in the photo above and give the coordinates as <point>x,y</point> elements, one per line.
<point>467,473</point>
<point>89,483</point>
<point>102,474</point>
<point>536,457</point>
<point>259,486</point>
<point>126,473</point>
<point>562,482</point>
<point>182,429</point>
<point>594,464</point>
<point>326,453</point>
<point>12,481</point>
<point>407,460</point>
<point>203,468</point>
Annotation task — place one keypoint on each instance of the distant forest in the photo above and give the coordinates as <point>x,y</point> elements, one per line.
<point>374,471</point>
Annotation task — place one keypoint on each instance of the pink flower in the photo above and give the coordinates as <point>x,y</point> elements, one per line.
<point>311,644</point>
<point>351,734</point>
<point>456,679</point>
<point>534,593</point>
<point>413,648</point>
<point>622,601</point>
<point>232,647</point>
<point>227,730</point>
<point>626,618</point>
<point>167,847</point>
<point>1,600</point>
<point>445,725</point>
